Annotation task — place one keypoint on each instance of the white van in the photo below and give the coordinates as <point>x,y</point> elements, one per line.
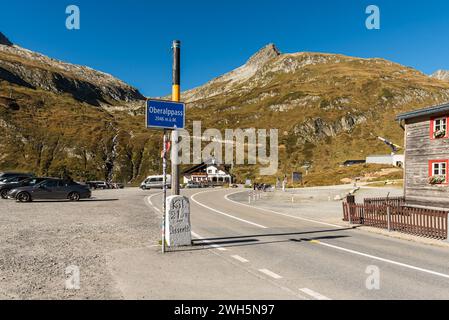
<point>155,182</point>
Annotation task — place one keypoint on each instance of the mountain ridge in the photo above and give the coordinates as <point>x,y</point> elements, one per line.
<point>35,70</point>
<point>325,106</point>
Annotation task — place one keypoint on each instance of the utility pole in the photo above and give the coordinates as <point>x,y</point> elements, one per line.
<point>176,96</point>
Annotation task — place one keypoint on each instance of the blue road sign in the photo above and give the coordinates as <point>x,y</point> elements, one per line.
<point>162,114</point>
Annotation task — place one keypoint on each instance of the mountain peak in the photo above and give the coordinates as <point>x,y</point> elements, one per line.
<point>264,55</point>
<point>441,75</point>
<point>4,40</point>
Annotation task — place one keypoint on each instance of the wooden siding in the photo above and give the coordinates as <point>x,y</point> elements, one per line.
<point>420,149</point>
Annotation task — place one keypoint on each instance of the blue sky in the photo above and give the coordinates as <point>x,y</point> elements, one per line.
<point>131,39</point>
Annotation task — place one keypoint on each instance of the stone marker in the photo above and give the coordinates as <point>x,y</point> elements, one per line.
<point>177,222</point>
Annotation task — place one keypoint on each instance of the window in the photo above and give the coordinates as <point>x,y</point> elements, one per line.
<point>438,172</point>
<point>439,128</point>
<point>51,184</point>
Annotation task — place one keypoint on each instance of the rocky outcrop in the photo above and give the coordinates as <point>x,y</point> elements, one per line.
<point>441,75</point>
<point>4,40</point>
<point>317,129</point>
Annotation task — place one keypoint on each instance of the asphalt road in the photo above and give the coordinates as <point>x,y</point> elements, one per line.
<point>241,252</point>
<point>309,259</point>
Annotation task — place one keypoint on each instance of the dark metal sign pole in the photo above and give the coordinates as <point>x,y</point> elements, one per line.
<point>176,96</point>
<point>164,172</point>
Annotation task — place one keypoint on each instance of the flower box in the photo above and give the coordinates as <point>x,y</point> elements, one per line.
<point>437,180</point>
<point>440,134</point>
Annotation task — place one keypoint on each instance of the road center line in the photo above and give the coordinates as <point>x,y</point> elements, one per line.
<point>279,213</point>
<point>223,213</point>
<point>239,258</point>
<point>314,294</point>
<point>383,260</point>
<point>270,273</point>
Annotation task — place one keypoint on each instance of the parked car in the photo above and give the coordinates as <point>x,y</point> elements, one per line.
<point>155,182</point>
<point>17,182</point>
<point>117,185</point>
<point>8,175</point>
<point>193,185</point>
<point>54,189</point>
<point>98,185</point>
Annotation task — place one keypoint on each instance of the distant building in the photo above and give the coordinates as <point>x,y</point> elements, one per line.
<point>208,173</point>
<point>396,160</point>
<point>426,156</point>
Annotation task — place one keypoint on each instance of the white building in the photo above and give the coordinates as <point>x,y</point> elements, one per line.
<point>396,160</point>
<point>208,173</point>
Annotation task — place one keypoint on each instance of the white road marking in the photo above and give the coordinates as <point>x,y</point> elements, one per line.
<point>223,213</point>
<point>270,273</point>
<point>216,246</point>
<point>239,258</point>
<point>314,294</point>
<point>384,260</point>
<point>151,202</point>
<point>282,214</point>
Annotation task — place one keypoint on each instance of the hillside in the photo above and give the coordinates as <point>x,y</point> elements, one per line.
<point>326,107</point>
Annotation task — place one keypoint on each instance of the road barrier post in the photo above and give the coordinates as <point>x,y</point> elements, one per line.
<point>389,218</point>
<point>447,227</point>
<point>249,197</point>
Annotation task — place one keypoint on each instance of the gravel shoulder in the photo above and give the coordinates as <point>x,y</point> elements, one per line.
<point>39,240</point>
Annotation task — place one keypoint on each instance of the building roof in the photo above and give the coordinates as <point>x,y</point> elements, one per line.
<point>443,108</point>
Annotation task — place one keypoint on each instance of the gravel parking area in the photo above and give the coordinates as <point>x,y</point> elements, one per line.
<point>39,240</point>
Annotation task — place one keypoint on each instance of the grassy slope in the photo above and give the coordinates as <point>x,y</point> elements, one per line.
<point>52,133</point>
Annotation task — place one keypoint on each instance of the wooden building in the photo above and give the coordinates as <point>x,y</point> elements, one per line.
<point>426,156</point>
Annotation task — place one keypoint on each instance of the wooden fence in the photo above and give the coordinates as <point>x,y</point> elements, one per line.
<point>416,221</point>
<point>395,201</point>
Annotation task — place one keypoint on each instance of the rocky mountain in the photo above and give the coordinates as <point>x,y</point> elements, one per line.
<point>326,106</point>
<point>33,70</point>
<point>441,75</point>
<point>57,117</point>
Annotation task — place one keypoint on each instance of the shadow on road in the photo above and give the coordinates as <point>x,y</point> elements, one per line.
<point>277,234</point>
<point>250,240</point>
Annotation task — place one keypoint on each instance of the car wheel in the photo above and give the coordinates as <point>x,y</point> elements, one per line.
<point>4,194</point>
<point>24,197</point>
<point>74,196</point>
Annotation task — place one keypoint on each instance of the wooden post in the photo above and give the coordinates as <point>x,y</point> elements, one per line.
<point>350,200</point>
<point>447,227</point>
<point>389,218</point>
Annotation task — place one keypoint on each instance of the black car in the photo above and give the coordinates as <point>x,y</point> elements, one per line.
<point>52,189</point>
<point>4,176</point>
<point>18,182</point>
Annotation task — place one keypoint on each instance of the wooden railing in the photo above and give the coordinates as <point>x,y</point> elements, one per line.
<point>416,221</point>
<point>395,201</point>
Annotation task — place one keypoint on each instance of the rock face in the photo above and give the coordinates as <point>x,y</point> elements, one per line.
<point>33,70</point>
<point>441,75</point>
<point>4,40</point>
